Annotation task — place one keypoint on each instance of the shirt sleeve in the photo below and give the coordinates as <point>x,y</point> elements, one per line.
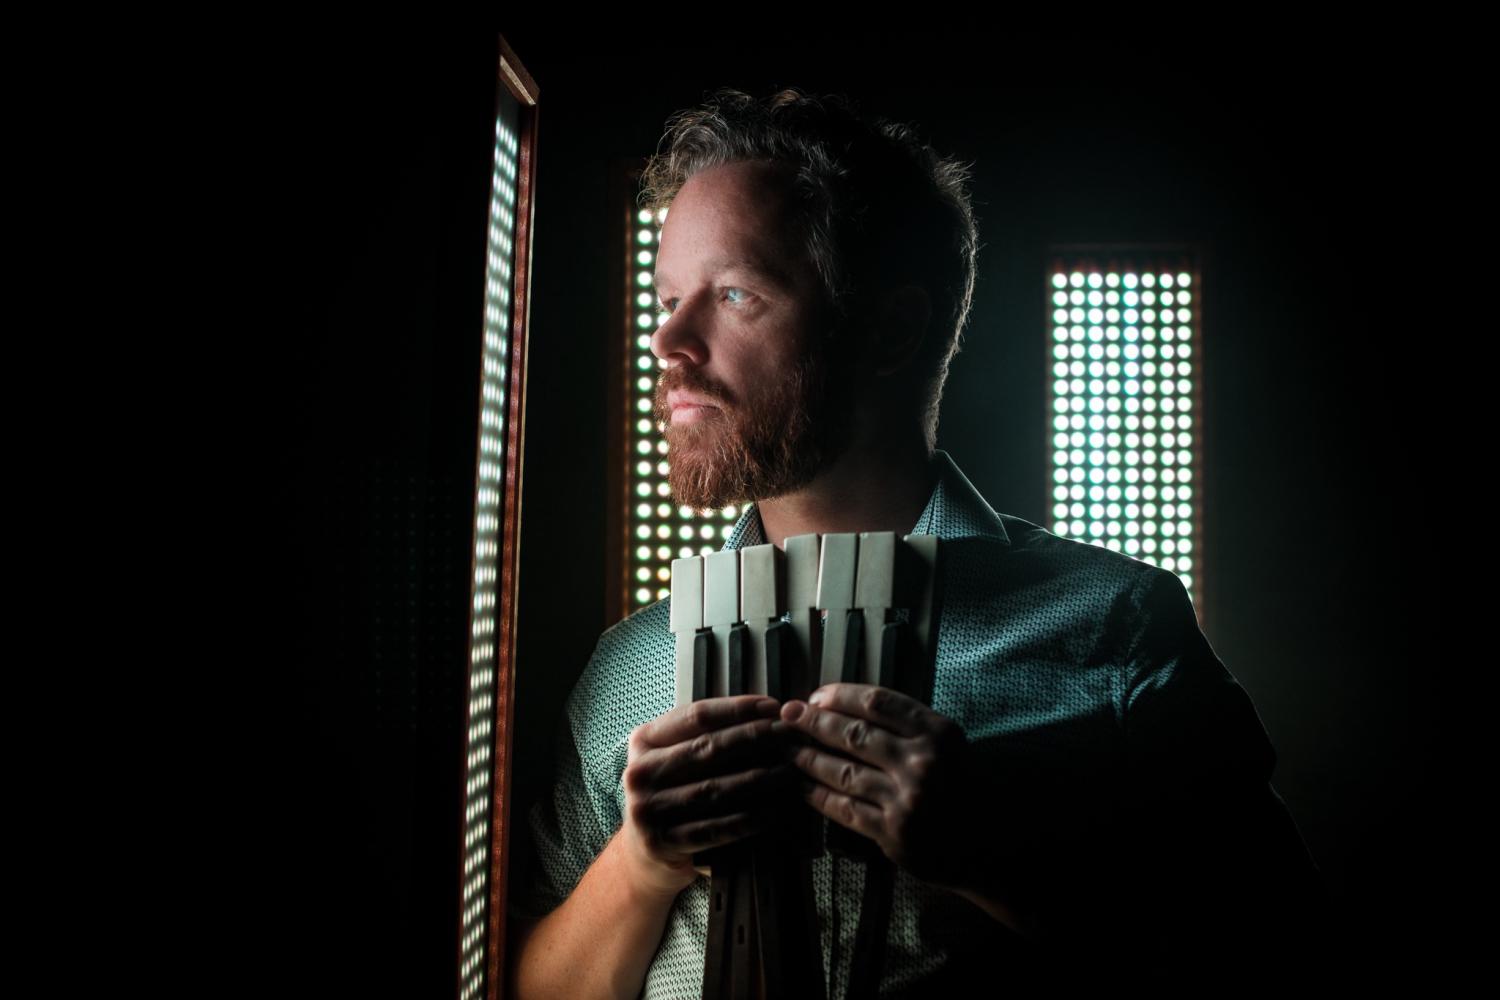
<point>571,824</point>
<point>1215,868</point>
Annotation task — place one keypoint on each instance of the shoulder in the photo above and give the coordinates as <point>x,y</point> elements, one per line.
<point>640,632</point>
<point>1062,614</point>
<point>1033,558</point>
<point>1033,539</point>
<point>627,681</point>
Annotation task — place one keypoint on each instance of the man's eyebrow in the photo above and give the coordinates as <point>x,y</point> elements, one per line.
<point>741,262</point>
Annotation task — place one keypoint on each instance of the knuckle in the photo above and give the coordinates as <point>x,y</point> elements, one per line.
<point>858,734</point>
<point>920,764</point>
<point>697,715</point>
<point>875,700</point>
<point>846,777</point>
<point>701,748</point>
<point>707,791</point>
<point>643,738</point>
<point>849,813</point>
<point>635,776</point>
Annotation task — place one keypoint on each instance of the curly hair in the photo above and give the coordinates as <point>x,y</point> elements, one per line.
<point>878,207</point>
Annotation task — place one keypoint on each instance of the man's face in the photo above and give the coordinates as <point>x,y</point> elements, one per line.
<point>746,338</point>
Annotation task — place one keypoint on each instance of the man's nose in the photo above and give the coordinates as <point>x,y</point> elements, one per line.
<point>679,339</point>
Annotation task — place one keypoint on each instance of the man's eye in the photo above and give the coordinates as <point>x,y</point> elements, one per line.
<point>729,293</point>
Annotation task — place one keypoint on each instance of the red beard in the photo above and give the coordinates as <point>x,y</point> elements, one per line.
<point>755,449</point>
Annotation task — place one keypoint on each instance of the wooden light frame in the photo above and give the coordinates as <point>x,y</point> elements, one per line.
<point>489,721</point>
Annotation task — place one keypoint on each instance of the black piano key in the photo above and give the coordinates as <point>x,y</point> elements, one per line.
<point>739,668</point>
<point>894,655</point>
<point>703,644</point>
<point>854,648</point>
<point>776,657</point>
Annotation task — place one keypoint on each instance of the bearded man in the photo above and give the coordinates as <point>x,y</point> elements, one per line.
<point>1088,792</point>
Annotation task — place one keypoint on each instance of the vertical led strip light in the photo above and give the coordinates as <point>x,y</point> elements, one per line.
<point>480,736</point>
<point>1124,405</point>
<point>658,530</point>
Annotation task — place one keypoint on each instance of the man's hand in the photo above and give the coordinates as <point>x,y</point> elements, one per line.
<point>898,777</point>
<point>701,776</point>
<point>903,777</point>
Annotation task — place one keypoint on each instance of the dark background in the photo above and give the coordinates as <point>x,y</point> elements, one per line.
<point>373,158</point>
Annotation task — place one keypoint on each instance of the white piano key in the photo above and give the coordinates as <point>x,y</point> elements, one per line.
<point>760,604</point>
<point>721,612</point>
<point>802,555</point>
<point>874,591</point>
<point>924,605</point>
<point>687,619</point>
<point>836,571</point>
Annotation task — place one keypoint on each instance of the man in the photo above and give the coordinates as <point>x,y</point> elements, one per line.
<point>1088,791</point>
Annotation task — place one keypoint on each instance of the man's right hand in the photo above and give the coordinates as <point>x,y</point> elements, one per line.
<point>700,776</point>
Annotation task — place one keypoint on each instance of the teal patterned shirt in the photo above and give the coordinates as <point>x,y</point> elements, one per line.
<point>1130,792</point>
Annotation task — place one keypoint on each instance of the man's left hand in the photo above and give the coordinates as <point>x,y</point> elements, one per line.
<point>900,776</point>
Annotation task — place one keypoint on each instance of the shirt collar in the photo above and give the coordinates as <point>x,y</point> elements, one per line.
<point>955,510</point>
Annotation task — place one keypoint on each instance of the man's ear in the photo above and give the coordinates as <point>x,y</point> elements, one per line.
<point>900,326</point>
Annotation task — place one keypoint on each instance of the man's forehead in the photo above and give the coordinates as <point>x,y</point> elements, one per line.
<point>740,221</point>
<point>757,181</point>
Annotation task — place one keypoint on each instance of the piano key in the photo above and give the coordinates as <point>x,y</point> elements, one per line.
<point>761,573</point>
<point>686,620</point>
<point>874,594</point>
<point>721,612</point>
<point>803,553</point>
<point>836,572</point>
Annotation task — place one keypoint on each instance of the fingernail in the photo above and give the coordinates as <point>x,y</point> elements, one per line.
<point>818,697</point>
<point>793,711</point>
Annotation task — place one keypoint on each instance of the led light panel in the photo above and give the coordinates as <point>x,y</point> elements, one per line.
<point>480,736</point>
<point>658,530</point>
<point>1124,405</point>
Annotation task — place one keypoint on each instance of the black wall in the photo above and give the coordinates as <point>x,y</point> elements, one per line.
<point>376,153</point>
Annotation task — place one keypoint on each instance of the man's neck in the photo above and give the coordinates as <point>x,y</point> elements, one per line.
<point>868,488</point>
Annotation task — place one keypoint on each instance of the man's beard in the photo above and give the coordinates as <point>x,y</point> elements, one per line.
<point>760,448</point>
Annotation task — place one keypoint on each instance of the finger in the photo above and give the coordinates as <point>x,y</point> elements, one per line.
<point>719,796</point>
<point>703,835</point>
<point>869,784</point>
<point>698,717</point>
<point>902,715</point>
<point>861,817</point>
<point>723,751</point>
<point>859,738</point>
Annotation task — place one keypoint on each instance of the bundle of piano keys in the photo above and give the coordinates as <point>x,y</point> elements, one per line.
<point>747,621</point>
